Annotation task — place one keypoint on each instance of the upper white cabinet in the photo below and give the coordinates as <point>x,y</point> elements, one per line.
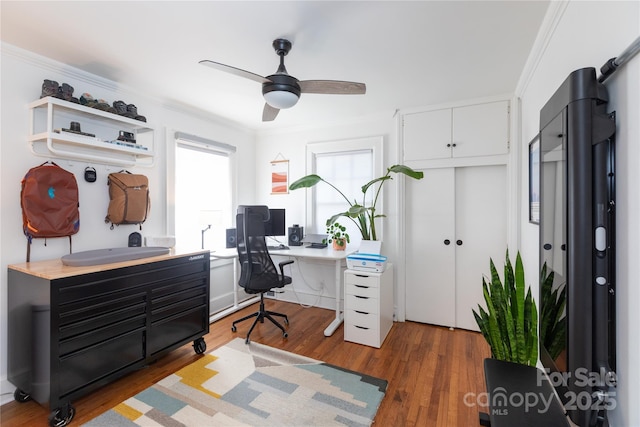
<point>49,116</point>
<point>466,131</point>
<point>427,135</point>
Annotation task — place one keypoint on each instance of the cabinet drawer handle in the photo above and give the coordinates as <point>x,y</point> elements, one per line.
<point>360,327</point>
<point>459,242</point>
<point>360,312</point>
<point>361,275</point>
<point>448,145</point>
<point>358,296</point>
<point>447,241</point>
<point>361,286</point>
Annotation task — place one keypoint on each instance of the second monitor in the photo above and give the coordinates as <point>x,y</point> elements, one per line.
<point>276,224</point>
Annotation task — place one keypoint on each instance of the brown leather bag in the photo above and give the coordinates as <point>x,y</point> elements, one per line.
<point>129,198</point>
<point>49,202</point>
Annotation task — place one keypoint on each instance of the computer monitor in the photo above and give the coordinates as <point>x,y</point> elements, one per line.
<point>276,224</point>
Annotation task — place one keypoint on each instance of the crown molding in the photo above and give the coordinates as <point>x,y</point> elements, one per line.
<point>548,27</point>
<point>60,68</point>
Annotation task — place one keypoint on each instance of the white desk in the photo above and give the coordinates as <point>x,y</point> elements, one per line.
<point>327,254</point>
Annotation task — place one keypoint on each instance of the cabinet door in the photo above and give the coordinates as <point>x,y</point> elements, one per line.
<point>481,230</point>
<point>467,208</point>
<point>481,130</point>
<point>427,135</point>
<point>430,261</point>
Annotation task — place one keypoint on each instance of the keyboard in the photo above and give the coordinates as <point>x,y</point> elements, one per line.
<point>317,245</point>
<point>278,248</point>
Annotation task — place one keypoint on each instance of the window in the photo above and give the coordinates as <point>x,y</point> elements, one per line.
<point>348,165</point>
<point>203,192</point>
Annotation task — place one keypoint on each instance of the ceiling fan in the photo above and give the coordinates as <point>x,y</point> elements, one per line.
<point>281,90</point>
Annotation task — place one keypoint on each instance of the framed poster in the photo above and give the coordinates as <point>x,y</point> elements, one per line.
<point>534,181</point>
<point>280,177</point>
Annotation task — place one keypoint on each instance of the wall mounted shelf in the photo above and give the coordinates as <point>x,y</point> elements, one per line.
<point>49,116</point>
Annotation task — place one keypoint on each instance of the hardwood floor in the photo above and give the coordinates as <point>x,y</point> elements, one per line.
<point>429,368</point>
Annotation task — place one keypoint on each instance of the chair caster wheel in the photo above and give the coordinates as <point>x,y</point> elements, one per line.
<point>285,335</point>
<point>286,321</point>
<point>233,328</point>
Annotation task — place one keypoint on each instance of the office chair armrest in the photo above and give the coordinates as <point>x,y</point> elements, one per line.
<point>282,264</point>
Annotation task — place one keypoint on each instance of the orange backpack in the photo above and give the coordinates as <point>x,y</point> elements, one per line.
<point>49,201</point>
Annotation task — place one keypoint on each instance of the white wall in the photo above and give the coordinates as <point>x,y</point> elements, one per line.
<point>22,76</point>
<point>586,34</point>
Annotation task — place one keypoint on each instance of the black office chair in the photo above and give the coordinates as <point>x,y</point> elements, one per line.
<point>258,273</point>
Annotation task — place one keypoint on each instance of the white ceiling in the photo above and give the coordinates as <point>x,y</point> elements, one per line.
<point>409,54</point>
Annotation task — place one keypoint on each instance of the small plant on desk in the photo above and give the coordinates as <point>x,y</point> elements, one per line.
<point>338,236</point>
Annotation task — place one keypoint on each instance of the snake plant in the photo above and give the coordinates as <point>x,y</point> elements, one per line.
<point>553,323</point>
<point>510,322</point>
<point>363,216</point>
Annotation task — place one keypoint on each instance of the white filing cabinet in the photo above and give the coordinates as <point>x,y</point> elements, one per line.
<point>368,306</point>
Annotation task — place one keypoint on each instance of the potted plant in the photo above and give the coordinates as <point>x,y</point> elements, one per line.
<point>510,323</point>
<point>362,215</point>
<point>338,236</point>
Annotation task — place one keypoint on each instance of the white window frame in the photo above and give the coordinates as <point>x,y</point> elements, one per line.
<point>373,143</point>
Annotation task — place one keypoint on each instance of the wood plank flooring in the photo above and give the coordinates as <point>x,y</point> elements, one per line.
<point>429,368</point>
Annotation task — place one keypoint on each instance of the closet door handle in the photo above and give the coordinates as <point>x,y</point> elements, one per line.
<point>448,145</point>
<point>447,241</point>
<point>459,242</point>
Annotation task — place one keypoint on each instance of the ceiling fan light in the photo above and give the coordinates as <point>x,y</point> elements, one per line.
<point>281,99</point>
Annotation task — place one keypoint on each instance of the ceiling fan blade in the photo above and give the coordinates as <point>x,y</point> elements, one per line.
<point>269,113</point>
<point>233,70</point>
<point>335,87</point>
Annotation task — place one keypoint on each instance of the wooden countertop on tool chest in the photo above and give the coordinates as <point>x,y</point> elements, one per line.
<point>55,269</point>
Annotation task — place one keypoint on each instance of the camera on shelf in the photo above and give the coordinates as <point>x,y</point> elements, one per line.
<point>127,137</point>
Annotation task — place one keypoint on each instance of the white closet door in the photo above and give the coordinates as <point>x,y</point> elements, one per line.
<point>467,208</point>
<point>481,228</point>
<point>430,263</point>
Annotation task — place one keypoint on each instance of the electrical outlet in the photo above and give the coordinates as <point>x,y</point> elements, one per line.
<point>270,294</point>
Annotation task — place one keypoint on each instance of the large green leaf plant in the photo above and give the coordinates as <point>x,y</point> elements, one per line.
<point>510,321</point>
<point>362,215</point>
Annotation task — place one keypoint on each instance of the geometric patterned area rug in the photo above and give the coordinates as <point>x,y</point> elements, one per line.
<point>252,385</point>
